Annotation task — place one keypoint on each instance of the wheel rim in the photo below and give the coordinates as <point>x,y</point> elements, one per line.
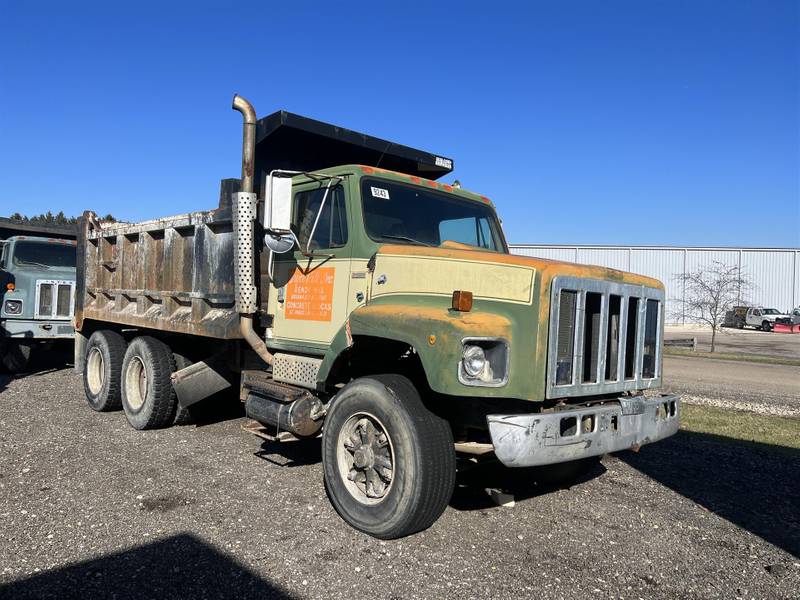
<point>95,371</point>
<point>365,458</point>
<point>136,383</point>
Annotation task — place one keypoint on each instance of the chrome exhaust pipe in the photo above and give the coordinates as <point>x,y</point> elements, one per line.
<point>248,141</point>
<point>244,214</point>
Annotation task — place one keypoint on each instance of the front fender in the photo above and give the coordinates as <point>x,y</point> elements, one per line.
<point>434,332</point>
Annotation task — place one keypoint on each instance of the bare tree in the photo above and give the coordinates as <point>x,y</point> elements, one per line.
<point>710,292</point>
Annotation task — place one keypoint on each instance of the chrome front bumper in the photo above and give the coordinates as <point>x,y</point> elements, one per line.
<point>547,438</point>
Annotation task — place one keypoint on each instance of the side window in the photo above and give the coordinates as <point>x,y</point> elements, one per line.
<point>459,230</point>
<point>756,313</point>
<point>472,231</point>
<point>331,231</point>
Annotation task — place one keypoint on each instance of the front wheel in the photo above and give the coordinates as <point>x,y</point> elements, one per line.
<point>389,463</point>
<point>766,326</point>
<point>15,356</point>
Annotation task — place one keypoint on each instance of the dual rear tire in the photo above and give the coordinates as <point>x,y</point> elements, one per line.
<point>148,398</point>
<point>134,377</point>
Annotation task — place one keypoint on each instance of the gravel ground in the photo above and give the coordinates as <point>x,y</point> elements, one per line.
<point>90,508</point>
<point>740,385</point>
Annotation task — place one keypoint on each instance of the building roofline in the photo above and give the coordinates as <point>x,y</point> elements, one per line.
<point>633,247</point>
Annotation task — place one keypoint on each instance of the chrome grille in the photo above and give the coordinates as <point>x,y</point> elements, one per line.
<point>605,337</point>
<point>54,299</point>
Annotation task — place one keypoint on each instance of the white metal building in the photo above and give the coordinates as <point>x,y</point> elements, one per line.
<point>774,272</point>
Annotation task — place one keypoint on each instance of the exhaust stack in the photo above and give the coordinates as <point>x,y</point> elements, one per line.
<point>244,214</point>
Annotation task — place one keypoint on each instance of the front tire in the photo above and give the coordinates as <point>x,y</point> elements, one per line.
<point>105,351</point>
<point>766,326</point>
<point>148,399</point>
<point>389,463</point>
<point>15,356</point>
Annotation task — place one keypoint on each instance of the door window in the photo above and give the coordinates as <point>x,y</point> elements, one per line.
<point>331,230</point>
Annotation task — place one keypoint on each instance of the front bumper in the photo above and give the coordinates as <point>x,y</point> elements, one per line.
<point>547,438</point>
<point>32,329</point>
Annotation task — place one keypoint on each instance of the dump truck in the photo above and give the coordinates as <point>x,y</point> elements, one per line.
<point>37,291</point>
<point>345,293</point>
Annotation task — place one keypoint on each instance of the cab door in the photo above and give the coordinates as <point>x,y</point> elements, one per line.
<point>308,298</point>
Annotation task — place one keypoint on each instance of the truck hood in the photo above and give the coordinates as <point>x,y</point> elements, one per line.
<point>438,271</point>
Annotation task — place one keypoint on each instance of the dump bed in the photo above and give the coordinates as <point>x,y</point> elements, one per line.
<point>174,274</point>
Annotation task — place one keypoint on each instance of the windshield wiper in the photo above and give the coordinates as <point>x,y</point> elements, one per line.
<point>407,239</point>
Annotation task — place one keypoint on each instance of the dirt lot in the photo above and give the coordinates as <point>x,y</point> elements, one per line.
<point>741,341</point>
<point>90,508</point>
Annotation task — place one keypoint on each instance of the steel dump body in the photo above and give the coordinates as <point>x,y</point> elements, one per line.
<point>174,274</point>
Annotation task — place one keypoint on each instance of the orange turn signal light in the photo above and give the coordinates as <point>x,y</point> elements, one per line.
<point>462,300</point>
<point>10,287</point>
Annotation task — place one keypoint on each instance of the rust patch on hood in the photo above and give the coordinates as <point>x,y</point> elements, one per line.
<point>476,323</point>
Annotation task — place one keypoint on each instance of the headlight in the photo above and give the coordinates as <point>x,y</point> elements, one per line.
<point>484,362</point>
<point>13,307</point>
<point>474,360</point>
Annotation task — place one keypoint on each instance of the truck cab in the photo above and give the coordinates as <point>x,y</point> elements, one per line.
<point>37,292</point>
<point>342,289</point>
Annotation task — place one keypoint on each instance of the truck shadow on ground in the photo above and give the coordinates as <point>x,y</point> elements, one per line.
<point>754,486</point>
<point>522,483</point>
<point>293,453</point>
<point>181,566</point>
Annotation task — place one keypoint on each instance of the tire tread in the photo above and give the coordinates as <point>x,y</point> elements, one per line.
<point>160,394</point>
<point>436,466</point>
<point>116,347</point>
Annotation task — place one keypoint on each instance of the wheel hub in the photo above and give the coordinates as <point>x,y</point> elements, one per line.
<point>363,458</point>
<point>366,460</point>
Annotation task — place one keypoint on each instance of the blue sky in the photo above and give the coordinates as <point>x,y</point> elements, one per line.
<point>586,122</point>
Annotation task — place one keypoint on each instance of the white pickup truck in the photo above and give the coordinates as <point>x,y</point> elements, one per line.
<point>760,318</point>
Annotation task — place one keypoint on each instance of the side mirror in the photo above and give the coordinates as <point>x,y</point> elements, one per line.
<point>278,214</point>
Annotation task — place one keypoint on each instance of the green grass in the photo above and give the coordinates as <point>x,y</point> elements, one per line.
<point>755,358</point>
<point>749,427</point>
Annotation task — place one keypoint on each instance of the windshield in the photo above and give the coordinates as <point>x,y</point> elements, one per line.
<point>771,311</point>
<point>405,214</point>
<point>44,254</point>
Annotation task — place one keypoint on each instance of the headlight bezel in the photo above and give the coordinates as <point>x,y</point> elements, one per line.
<point>8,302</point>
<point>496,354</point>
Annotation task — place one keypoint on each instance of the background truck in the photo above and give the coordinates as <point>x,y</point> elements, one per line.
<point>37,293</point>
<point>756,316</point>
<point>339,284</point>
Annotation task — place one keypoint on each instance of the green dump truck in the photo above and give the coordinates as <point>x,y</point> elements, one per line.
<point>344,292</point>
<point>37,291</point>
